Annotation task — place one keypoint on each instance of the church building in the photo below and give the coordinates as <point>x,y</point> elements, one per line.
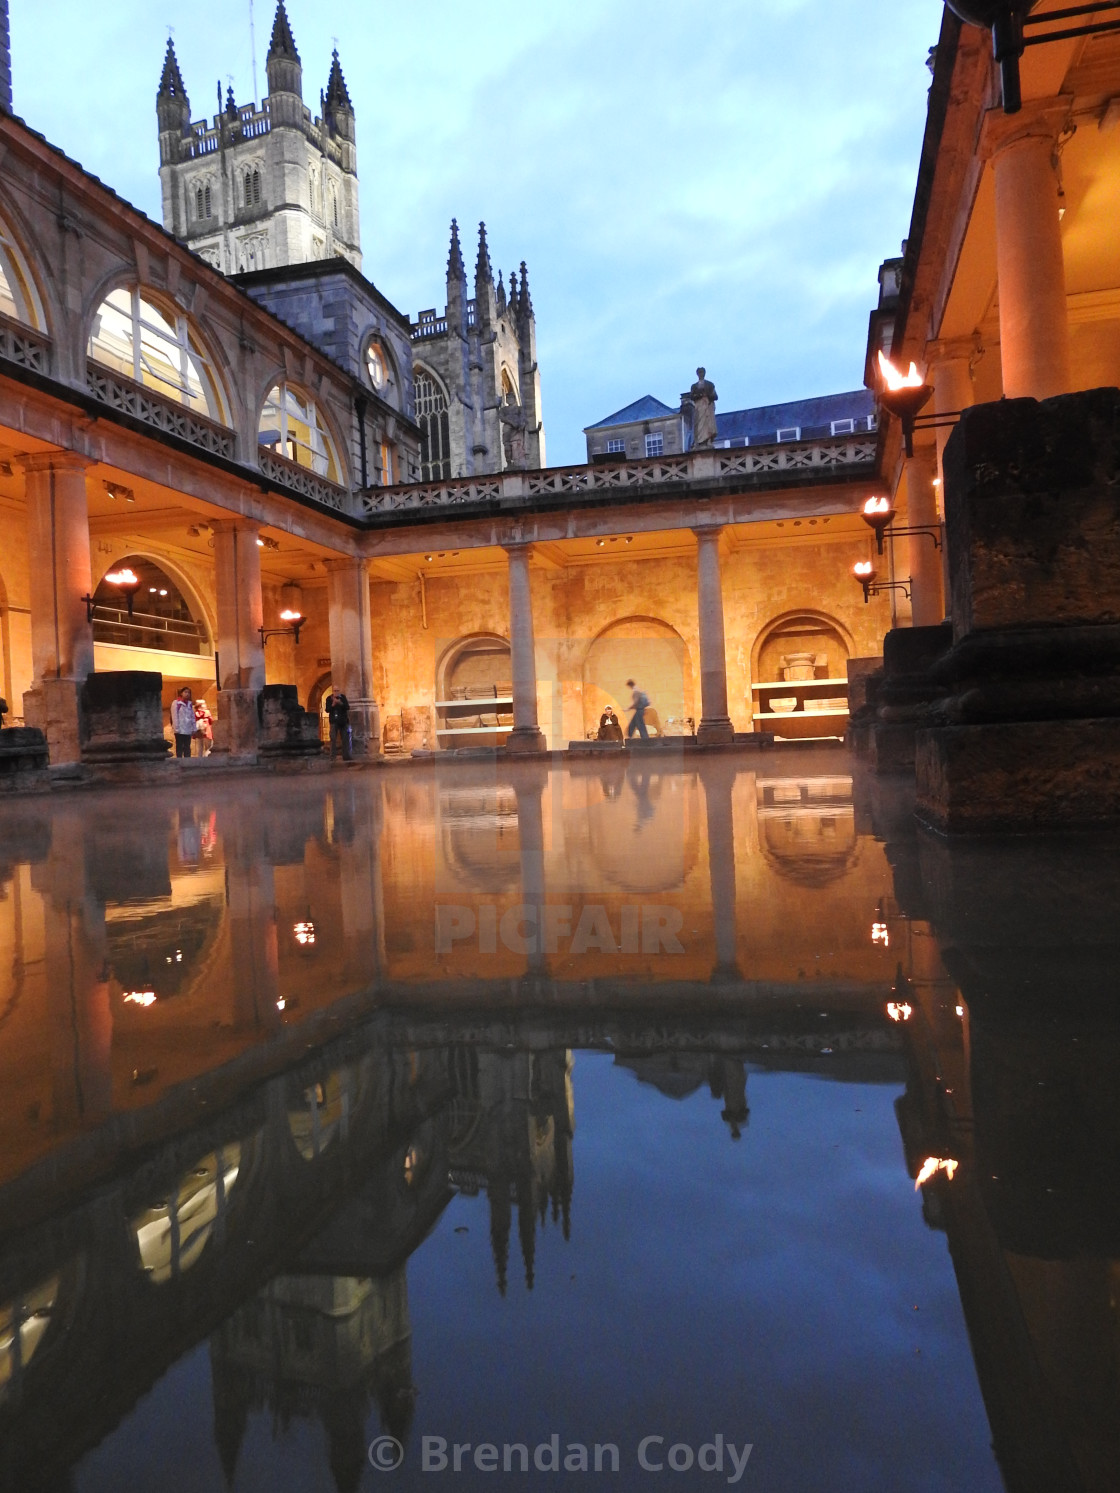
<point>268,194</point>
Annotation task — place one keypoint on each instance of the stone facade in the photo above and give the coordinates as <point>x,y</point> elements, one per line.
<point>476,379</point>
<point>267,186</point>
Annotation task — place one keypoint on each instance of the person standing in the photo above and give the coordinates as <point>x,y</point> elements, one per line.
<point>639,704</point>
<point>204,728</point>
<point>338,713</point>
<point>183,724</point>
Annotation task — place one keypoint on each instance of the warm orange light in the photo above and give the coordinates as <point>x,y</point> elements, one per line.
<point>876,506</point>
<point>863,570</point>
<point>304,933</point>
<point>287,615</point>
<point>899,1011</point>
<point>895,380</point>
<point>880,934</point>
<point>140,998</point>
<point>123,577</point>
<point>931,1166</point>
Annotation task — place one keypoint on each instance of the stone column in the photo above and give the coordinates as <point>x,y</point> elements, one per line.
<point>1033,320</point>
<point>927,604</point>
<point>715,723</point>
<point>950,372</point>
<point>351,649</point>
<point>526,735</point>
<point>60,573</point>
<point>237,582</point>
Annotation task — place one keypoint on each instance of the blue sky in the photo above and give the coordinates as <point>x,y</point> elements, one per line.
<point>710,183</point>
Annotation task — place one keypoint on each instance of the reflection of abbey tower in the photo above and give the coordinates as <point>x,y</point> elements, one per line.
<point>270,191</point>
<point>514,1118</point>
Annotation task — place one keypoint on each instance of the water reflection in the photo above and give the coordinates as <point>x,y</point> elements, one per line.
<point>253,1074</point>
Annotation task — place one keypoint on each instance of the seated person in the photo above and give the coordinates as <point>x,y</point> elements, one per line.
<point>609,728</point>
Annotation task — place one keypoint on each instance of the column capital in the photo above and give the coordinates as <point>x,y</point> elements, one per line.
<point>53,461</point>
<point>1040,119</point>
<point>236,525</point>
<point>952,349</point>
<point>708,531</point>
<point>518,547</point>
<point>345,563</point>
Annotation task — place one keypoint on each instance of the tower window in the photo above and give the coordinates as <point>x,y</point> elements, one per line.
<point>435,428</point>
<point>334,208</point>
<point>256,187</point>
<point>198,203</point>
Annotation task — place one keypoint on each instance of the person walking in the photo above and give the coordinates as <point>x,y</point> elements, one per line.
<point>204,728</point>
<point>639,704</point>
<point>183,724</point>
<point>338,713</point>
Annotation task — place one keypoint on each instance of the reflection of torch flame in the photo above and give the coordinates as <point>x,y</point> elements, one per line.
<point>141,998</point>
<point>931,1166</point>
<point>895,380</point>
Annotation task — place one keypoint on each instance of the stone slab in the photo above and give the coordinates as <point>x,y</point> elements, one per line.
<point>1019,775</point>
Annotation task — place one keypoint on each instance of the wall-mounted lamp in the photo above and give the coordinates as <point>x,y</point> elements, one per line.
<point>292,621</point>
<point>864,572</point>
<point>903,394</point>
<point>878,514</point>
<point>127,583</point>
<point>1013,29</point>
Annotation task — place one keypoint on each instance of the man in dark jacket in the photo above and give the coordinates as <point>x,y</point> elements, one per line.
<point>338,714</point>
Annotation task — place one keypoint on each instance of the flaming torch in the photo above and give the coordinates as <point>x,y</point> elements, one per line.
<point>903,394</point>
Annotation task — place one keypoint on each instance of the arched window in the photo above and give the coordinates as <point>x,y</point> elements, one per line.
<point>206,202</point>
<point>198,203</point>
<point>435,430</point>
<point>18,296</point>
<point>171,1235</point>
<point>161,618</point>
<point>256,187</point>
<point>334,207</point>
<point>156,348</point>
<point>292,425</point>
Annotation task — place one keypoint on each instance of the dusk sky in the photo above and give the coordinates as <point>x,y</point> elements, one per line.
<point>708,183</point>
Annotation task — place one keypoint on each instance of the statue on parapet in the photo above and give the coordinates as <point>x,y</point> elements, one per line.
<point>703,396</point>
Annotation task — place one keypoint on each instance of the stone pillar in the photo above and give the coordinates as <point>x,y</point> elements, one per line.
<point>237,582</point>
<point>927,605</point>
<point>526,735</point>
<point>1033,320</point>
<point>351,650</point>
<point>950,371</point>
<point>715,723</point>
<point>59,566</point>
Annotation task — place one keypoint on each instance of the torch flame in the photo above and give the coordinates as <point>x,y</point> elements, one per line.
<point>895,380</point>
<point>287,615</point>
<point>123,577</point>
<point>899,1012</point>
<point>875,506</point>
<point>863,568</point>
<point>931,1166</point>
<point>141,998</point>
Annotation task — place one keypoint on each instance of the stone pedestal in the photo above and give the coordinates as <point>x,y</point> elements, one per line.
<point>286,730</point>
<point>902,698</point>
<point>51,706</point>
<point>1029,728</point>
<point>23,749</point>
<point>236,722</point>
<point>122,717</point>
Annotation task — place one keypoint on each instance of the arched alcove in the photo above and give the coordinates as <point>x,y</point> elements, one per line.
<point>788,641</point>
<point>653,654</point>
<point>474,690</point>
<point>165,617</point>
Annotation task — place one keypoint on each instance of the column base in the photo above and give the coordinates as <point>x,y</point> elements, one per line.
<point>236,724</point>
<point>365,722</point>
<point>717,731</point>
<point>53,706</point>
<point>525,740</point>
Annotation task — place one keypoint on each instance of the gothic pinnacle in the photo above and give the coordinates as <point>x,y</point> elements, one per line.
<point>483,274</point>
<point>526,304</point>
<point>282,43</point>
<point>171,80</point>
<point>456,269</point>
<point>338,95</point>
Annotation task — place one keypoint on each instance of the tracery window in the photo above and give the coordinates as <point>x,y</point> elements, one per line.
<point>292,425</point>
<point>156,348</point>
<point>252,188</point>
<point>18,297</point>
<point>435,428</point>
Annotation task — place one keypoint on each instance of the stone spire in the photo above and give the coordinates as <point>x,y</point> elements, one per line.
<point>173,108</point>
<point>483,274</point>
<point>456,269</point>
<point>501,296</point>
<point>524,301</point>
<point>338,96</point>
<point>171,85</point>
<point>283,42</point>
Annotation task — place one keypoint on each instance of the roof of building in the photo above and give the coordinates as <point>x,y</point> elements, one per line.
<point>763,422</point>
<point>646,408</point>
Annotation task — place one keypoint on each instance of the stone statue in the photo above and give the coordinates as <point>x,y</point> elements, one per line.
<point>703,395</point>
<point>514,434</point>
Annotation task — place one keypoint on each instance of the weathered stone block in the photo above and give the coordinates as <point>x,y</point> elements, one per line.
<point>286,730</point>
<point>1032,513</point>
<point>1019,775</point>
<point>236,722</point>
<point>122,717</point>
<point>860,673</point>
<point>23,749</point>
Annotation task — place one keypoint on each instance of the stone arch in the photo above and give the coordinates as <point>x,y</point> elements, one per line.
<point>339,440</point>
<point>651,652</point>
<point>802,630</point>
<point>21,294</point>
<point>456,659</point>
<point>209,366</point>
<point>200,606</point>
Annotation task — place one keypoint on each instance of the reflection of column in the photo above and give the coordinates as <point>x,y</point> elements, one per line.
<point>1033,320</point>
<point>362,891</point>
<point>237,583</point>
<point>351,649</point>
<point>60,575</point>
<point>254,968</point>
<point>715,723</point>
<point>526,735</point>
<point>530,829</point>
<point>719,780</point>
<point>77,982</point>
<point>926,605</point>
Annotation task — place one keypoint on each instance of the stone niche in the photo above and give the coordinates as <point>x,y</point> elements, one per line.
<point>1028,730</point>
<point>122,717</point>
